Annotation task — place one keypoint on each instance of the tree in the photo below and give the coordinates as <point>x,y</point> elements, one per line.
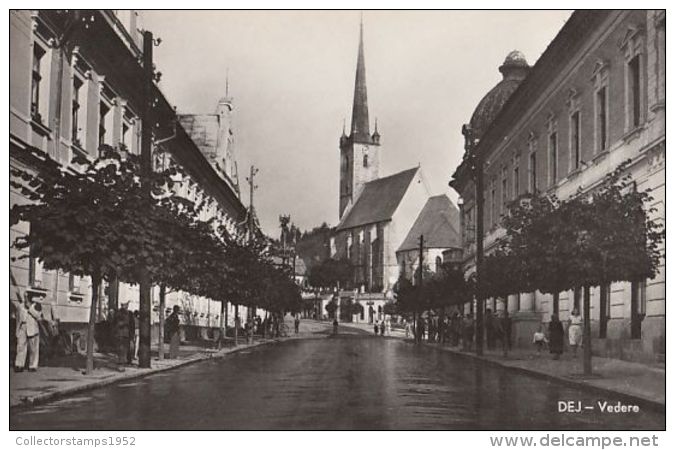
<point>591,239</point>
<point>93,221</point>
<point>330,273</point>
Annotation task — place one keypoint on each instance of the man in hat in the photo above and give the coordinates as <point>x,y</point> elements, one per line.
<point>173,331</point>
<point>28,316</point>
<point>122,332</point>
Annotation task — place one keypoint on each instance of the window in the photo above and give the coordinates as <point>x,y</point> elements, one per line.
<point>553,157</point>
<point>36,81</point>
<point>533,172</point>
<point>516,176</point>
<point>365,160</point>
<point>34,269</point>
<point>605,307</point>
<point>439,262</point>
<point>74,283</point>
<point>75,114</point>
<point>601,119</point>
<point>125,135</point>
<point>575,140</point>
<point>102,130</point>
<point>634,92</point>
<point>638,307</point>
<point>505,189</point>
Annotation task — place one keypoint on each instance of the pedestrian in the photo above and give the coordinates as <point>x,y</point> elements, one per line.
<point>467,332</point>
<point>376,327</point>
<point>574,331</point>
<point>335,326</point>
<point>122,330</point>
<point>382,327</point>
<point>258,325</point>
<point>442,330</point>
<point>132,337</point>
<point>407,328</point>
<point>419,330</point>
<point>556,335</point>
<point>137,333</point>
<point>455,324</point>
<point>297,324</point>
<point>539,339</point>
<point>28,316</point>
<point>173,331</point>
<point>388,326</point>
<point>505,331</point>
<point>490,329</point>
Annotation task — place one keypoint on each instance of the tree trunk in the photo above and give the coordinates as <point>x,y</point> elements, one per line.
<point>162,308</point>
<point>95,283</point>
<point>236,324</point>
<point>114,294</point>
<point>223,323</point>
<point>588,368</point>
<point>145,288</point>
<point>556,303</point>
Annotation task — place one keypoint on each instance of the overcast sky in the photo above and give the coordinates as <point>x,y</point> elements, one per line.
<point>292,79</point>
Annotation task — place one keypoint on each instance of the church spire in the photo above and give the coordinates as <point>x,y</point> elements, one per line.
<point>360,131</point>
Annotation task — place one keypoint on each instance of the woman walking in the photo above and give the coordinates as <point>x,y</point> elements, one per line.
<point>173,331</point>
<point>556,336</point>
<point>574,331</point>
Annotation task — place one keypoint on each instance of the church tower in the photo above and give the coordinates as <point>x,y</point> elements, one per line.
<point>360,151</point>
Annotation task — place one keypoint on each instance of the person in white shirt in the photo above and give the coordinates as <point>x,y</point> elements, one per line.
<point>27,334</point>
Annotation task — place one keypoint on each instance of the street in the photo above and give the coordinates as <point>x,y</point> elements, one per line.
<point>351,381</point>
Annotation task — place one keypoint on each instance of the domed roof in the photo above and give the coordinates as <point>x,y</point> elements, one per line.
<point>514,70</point>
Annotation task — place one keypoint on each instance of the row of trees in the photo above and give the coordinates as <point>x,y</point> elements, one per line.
<point>96,219</point>
<point>591,239</point>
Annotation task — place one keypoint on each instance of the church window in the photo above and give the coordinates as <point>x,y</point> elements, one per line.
<point>365,160</point>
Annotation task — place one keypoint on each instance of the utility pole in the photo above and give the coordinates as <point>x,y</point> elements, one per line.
<point>146,172</point>
<point>420,298</point>
<point>251,187</point>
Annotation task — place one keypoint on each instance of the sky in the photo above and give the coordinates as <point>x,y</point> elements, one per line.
<point>291,74</point>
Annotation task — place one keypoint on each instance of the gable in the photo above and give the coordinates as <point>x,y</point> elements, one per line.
<point>438,222</point>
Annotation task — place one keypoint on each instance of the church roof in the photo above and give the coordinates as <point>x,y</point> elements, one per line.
<point>438,222</point>
<point>203,130</point>
<point>378,200</point>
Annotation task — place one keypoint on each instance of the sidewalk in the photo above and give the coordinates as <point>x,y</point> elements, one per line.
<point>632,382</point>
<point>63,376</point>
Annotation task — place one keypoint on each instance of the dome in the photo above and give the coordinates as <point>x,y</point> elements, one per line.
<point>514,70</point>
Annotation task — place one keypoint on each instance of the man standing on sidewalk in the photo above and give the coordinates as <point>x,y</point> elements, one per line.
<point>122,329</point>
<point>27,334</point>
<point>297,324</point>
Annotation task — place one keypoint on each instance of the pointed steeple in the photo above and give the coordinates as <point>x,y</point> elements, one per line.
<point>360,131</point>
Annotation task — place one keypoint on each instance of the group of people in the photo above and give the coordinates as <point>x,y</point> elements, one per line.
<point>459,329</point>
<point>556,335</point>
<point>126,326</point>
<point>382,327</point>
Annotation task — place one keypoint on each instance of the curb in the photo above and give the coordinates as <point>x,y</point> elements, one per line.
<point>39,399</point>
<point>653,405</point>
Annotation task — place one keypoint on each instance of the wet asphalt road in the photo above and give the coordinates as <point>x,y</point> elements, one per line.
<point>352,381</point>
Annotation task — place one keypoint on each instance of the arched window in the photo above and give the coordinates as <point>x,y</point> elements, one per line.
<point>365,160</point>
<point>439,262</point>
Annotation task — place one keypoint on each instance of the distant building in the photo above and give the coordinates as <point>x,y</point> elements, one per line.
<point>593,100</point>
<point>438,223</point>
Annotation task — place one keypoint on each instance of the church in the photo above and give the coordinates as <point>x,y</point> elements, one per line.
<point>377,213</point>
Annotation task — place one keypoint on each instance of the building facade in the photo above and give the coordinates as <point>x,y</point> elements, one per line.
<point>593,100</point>
<point>75,82</point>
